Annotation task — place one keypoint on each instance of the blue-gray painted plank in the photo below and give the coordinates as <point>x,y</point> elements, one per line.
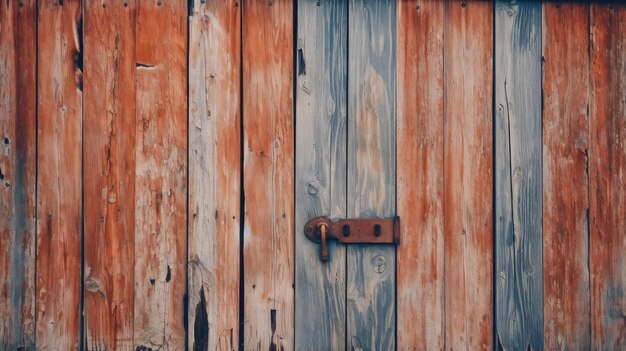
<point>320,170</point>
<point>371,170</point>
<point>518,190</point>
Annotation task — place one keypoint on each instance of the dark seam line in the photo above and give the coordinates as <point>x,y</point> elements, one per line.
<point>294,51</point>
<point>494,327</point>
<point>588,185</point>
<point>81,314</point>
<point>541,179</point>
<point>444,139</point>
<point>135,15</point>
<point>242,193</point>
<point>394,42</point>
<point>347,165</point>
<point>541,168</point>
<point>36,165</point>
<point>186,294</point>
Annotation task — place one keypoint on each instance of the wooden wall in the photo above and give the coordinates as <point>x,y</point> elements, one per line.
<point>158,160</point>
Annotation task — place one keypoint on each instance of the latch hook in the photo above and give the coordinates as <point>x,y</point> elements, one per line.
<point>324,254</point>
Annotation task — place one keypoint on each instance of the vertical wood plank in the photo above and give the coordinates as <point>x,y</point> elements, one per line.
<point>109,176</point>
<point>518,194</point>
<point>268,174</point>
<point>420,168</point>
<point>468,185</point>
<point>565,166</point>
<point>607,176</point>
<point>371,170</point>
<point>18,23</point>
<point>59,208</point>
<point>161,174</point>
<point>320,170</point>
<point>214,175</point>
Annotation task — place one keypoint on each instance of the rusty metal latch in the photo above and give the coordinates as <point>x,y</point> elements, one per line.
<point>352,231</point>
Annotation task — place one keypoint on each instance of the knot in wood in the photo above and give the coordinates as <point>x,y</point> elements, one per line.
<point>92,285</point>
<point>311,188</point>
<point>379,264</point>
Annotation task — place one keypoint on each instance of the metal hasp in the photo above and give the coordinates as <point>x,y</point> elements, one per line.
<point>352,231</point>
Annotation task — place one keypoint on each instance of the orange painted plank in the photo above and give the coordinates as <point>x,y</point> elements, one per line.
<point>268,174</point>
<point>59,221</point>
<point>161,175</point>
<point>607,176</point>
<point>420,283</point>
<point>17,174</point>
<point>468,161</point>
<point>214,175</point>
<point>109,173</point>
<point>565,197</point>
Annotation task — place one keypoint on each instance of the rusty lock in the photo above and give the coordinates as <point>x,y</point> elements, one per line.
<point>352,231</point>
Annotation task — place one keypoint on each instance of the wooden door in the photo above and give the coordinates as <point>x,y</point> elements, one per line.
<point>377,135</point>
<point>345,167</point>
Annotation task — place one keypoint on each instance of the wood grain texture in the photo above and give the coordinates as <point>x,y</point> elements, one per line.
<point>109,174</point>
<point>59,207</point>
<point>419,153</point>
<point>161,175</point>
<point>214,175</point>
<point>607,176</point>
<point>565,178</point>
<point>321,142</point>
<point>468,170</point>
<point>371,175</point>
<point>18,25</point>
<point>268,175</point>
<point>518,194</point>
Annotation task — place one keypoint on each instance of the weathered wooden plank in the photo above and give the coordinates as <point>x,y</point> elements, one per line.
<point>320,170</point>
<point>565,196</point>
<point>268,174</point>
<point>59,208</point>
<point>18,25</point>
<point>420,167</point>
<point>607,176</point>
<point>468,185</point>
<point>109,176</point>
<point>214,175</point>
<point>161,174</point>
<point>518,194</point>
<point>371,176</point>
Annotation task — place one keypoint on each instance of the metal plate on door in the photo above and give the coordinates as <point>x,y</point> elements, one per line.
<point>352,231</point>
